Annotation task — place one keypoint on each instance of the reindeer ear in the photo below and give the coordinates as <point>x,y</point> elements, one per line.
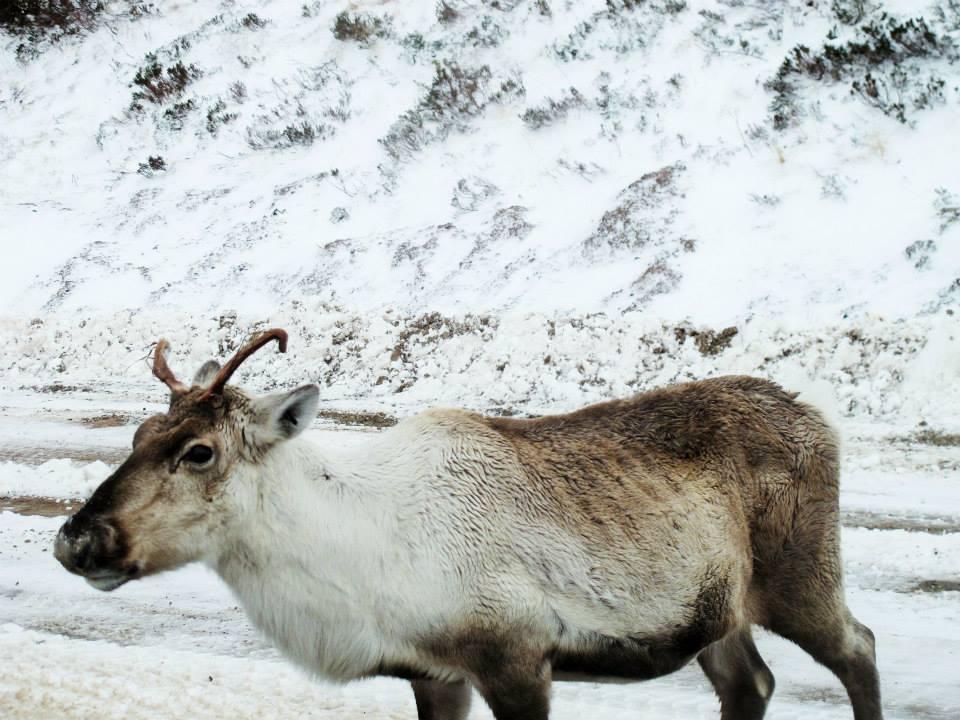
<point>206,373</point>
<point>285,415</point>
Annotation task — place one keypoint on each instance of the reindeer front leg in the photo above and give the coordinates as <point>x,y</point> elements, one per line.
<point>513,679</point>
<point>508,667</point>
<point>438,700</point>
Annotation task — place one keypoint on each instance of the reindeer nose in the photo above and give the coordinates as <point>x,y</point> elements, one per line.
<point>73,546</point>
<point>80,543</point>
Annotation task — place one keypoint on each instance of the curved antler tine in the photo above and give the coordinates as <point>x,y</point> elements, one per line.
<point>216,387</point>
<point>163,371</point>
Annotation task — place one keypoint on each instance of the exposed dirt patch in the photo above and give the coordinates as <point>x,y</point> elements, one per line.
<point>508,412</point>
<point>823,695</point>
<point>927,712</point>
<point>90,631</point>
<point>927,436</point>
<point>37,455</point>
<point>643,216</point>
<point>44,507</point>
<point>937,437</point>
<point>433,327</point>
<point>709,342</point>
<point>910,523</point>
<point>361,419</point>
<point>108,421</point>
<point>60,388</point>
<point>936,586</point>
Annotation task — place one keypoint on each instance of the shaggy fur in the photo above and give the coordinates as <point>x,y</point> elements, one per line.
<point>456,550</point>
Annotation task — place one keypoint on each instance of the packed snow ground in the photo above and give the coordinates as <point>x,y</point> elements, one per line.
<point>177,645</point>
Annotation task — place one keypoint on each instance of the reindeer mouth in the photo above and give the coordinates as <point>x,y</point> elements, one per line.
<point>107,581</point>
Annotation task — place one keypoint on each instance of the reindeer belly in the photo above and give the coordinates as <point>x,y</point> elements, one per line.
<point>627,658</point>
<point>628,607</point>
<point>684,628</point>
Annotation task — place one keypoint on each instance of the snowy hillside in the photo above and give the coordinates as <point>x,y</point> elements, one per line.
<point>586,193</point>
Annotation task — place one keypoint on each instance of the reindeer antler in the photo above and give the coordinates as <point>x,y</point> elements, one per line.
<point>163,371</point>
<point>216,387</point>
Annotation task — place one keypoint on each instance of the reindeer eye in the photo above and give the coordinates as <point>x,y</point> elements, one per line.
<point>198,454</point>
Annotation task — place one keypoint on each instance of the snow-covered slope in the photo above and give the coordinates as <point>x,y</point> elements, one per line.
<point>789,169</point>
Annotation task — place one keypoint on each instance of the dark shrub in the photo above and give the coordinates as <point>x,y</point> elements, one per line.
<point>553,110</point>
<point>455,95</point>
<point>876,63</point>
<point>359,27</point>
<point>157,86</point>
<point>62,16</point>
<point>153,165</point>
<point>252,21</point>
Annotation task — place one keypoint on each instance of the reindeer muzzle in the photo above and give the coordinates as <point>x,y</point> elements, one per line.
<point>92,548</point>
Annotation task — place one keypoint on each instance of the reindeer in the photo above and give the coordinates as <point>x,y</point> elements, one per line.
<point>460,551</point>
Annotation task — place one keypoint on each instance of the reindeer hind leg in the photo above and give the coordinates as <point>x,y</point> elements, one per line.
<point>741,679</point>
<point>805,603</point>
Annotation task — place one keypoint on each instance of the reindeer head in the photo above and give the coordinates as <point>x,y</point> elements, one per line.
<point>188,477</point>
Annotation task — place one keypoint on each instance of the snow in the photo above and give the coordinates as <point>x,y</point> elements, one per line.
<point>61,478</point>
<point>658,229</point>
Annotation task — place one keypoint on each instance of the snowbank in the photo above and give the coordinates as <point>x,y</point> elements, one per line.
<point>61,478</point>
<point>904,372</point>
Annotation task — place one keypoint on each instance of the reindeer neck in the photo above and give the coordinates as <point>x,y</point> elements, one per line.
<point>311,502</point>
<point>315,539</point>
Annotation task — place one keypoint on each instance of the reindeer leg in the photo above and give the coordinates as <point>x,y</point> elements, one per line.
<point>741,679</point>
<point>805,602</point>
<point>437,700</point>
<point>515,688</point>
<point>829,633</point>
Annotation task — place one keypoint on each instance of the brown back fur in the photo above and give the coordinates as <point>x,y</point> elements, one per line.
<point>768,458</point>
